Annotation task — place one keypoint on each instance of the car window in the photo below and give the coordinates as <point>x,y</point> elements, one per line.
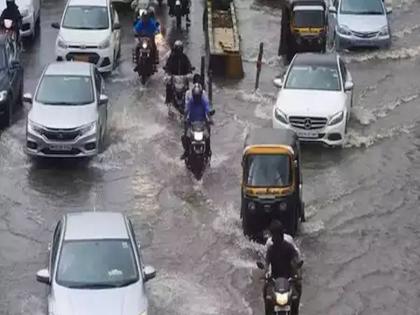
<point>65,90</point>
<point>313,77</point>
<point>102,263</point>
<point>343,70</point>
<point>86,18</point>
<point>371,7</point>
<point>54,246</point>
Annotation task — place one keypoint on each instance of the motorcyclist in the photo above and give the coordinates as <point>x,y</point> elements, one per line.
<point>177,64</point>
<point>148,28</point>
<point>11,12</point>
<point>197,109</point>
<point>285,260</point>
<point>185,6</point>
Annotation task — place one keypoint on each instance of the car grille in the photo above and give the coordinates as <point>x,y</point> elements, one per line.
<point>91,57</point>
<point>365,35</point>
<point>308,123</point>
<point>83,47</point>
<point>61,134</point>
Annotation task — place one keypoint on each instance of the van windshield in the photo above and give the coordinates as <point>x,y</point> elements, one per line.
<point>268,170</point>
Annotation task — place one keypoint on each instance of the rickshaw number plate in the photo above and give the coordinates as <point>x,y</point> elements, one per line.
<point>307,134</point>
<point>278,308</point>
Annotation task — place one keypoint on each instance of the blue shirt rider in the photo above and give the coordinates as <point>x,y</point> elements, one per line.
<point>197,110</point>
<point>147,27</point>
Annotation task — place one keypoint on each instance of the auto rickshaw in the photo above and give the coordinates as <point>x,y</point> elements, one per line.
<point>271,181</point>
<point>304,27</point>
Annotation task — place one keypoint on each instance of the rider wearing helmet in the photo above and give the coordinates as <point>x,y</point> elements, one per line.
<point>197,109</point>
<point>284,259</point>
<point>147,27</point>
<point>186,4</point>
<point>177,64</point>
<point>11,12</point>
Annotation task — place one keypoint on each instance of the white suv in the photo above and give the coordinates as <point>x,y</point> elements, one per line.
<point>90,32</point>
<point>315,99</point>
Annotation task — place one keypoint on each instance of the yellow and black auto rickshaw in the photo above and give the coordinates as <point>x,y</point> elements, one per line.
<point>271,182</point>
<point>304,27</point>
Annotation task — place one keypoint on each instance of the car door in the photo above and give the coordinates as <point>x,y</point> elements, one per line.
<point>102,109</point>
<point>346,77</point>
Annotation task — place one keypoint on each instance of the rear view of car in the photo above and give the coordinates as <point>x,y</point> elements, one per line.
<point>68,114</point>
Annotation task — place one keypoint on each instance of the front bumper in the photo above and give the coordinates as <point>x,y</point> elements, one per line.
<point>102,58</point>
<point>328,135</point>
<point>349,41</point>
<point>28,26</point>
<point>82,146</point>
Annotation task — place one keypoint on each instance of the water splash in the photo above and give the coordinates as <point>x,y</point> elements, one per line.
<point>396,54</point>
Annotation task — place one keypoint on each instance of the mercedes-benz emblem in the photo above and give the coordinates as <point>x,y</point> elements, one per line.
<point>307,123</point>
<point>82,46</point>
<point>60,136</point>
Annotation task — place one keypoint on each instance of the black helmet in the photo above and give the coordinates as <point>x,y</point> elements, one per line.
<point>197,92</point>
<point>178,47</point>
<point>277,231</point>
<point>197,78</point>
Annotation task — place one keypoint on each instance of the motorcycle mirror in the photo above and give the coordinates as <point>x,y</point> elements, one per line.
<point>260,265</point>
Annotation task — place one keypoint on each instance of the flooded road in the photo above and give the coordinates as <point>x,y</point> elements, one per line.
<point>360,241</point>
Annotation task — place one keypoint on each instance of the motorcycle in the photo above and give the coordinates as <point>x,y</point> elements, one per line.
<point>282,296</point>
<point>180,9</point>
<point>179,86</point>
<point>197,158</point>
<point>145,62</point>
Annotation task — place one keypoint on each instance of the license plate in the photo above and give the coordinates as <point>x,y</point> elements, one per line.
<point>60,148</point>
<point>285,308</point>
<point>307,134</point>
<point>84,58</point>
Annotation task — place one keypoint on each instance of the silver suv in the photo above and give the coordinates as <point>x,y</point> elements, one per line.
<point>68,116</point>
<point>96,267</point>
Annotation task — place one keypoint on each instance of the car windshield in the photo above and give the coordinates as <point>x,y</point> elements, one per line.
<point>306,18</point>
<point>268,170</point>
<point>307,77</point>
<point>368,7</point>
<point>65,90</point>
<point>97,264</point>
<point>86,18</point>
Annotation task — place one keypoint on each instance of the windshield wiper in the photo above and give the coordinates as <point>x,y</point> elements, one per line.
<point>60,103</point>
<point>371,13</point>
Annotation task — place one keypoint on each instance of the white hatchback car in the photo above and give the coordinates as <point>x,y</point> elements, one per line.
<point>89,32</point>
<point>315,99</point>
<point>30,11</point>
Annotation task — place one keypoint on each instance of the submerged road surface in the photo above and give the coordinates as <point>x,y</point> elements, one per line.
<point>360,241</point>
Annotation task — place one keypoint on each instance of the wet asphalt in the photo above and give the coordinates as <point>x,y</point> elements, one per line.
<point>360,241</point>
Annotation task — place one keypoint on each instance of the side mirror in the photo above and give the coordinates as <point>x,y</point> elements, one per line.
<point>388,10</point>
<point>348,86</point>
<point>260,265</point>
<point>27,98</point>
<point>278,82</point>
<point>43,276</point>
<point>212,112</point>
<point>103,100</point>
<point>55,25</point>
<point>332,10</point>
<point>117,26</point>
<point>149,273</point>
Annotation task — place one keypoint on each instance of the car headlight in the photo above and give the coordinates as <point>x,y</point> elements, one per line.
<point>344,29</point>
<point>384,31</point>
<point>336,118</point>
<point>3,96</point>
<point>280,116</point>
<point>34,127</point>
<point>282,298</point>
<point>61,43</point>
<point>105,44</point>
<point>88,128</point>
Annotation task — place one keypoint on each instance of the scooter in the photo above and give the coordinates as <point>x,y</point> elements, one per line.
<point>145,61</point>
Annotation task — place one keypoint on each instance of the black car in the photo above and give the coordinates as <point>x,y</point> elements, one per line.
<point>11,79</point>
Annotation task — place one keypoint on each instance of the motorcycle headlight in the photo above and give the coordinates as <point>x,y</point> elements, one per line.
<point>105,44</point>
<point>384,31</point>
<point>280,116</point>
<point>144,45</point>
<point>61,43</point>
<point>198,135</point>
<point>282,298</point>
<point>88,128</point>
<point>3,96</point>
<point>344,29</point>
<point>336,118</point>
<point>34,127</point>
